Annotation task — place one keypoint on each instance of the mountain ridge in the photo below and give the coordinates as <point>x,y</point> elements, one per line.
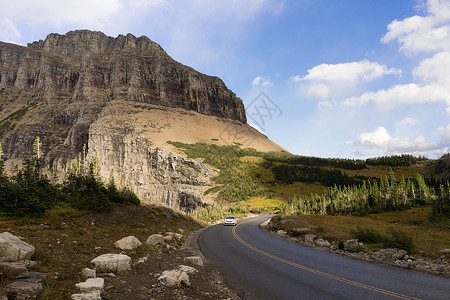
<point>123,98</point>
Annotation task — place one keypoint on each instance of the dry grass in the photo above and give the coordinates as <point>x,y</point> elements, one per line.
<point>428,237</point>
<point>66,244</point>
<point>264,202</point>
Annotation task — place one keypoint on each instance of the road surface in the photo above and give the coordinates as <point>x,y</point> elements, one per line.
<point>261,266</point>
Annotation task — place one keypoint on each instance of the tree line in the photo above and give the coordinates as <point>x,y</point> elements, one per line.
<point>374,196</point>
<point>29,191</point>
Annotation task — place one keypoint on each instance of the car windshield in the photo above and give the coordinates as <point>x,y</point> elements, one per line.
<point>229,218</point>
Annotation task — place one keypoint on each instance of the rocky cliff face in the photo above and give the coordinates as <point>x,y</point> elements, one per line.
<point>124,98</point>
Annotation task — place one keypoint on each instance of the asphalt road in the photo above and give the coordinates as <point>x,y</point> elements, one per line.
<point>260,266</point>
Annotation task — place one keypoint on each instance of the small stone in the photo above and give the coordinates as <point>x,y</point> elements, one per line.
<point>281,232</point>
<point>171,278</point>
<point>322,243</point>
<point>128,243</point>
<point>91,284</point>
<point>444,251</point>
<point>310,238</point>
<point>155,239</point>
<point>187,269</point>
<point>88,273</point>
<point>197,260</point>
<point>168,238</point>
<point>142,260</point>
<point>94,295</point>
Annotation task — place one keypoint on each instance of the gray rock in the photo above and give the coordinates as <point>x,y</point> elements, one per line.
<point>168,238</point>
<point>114,263</point>
<point>188,270</point>
<point>94,295</point>
<point>388,255</point>
<point>13,270</point>
<point>155,239</point>
<point>88,273</point>
<point>444,251</point>
<point>35,277</point>
<point>310,237</point>
<point>172,278</point>
<point>91,285</point>
<point>322,243</point>
<point>281,232</point>
<point>196,260</point>
<point>14,248</point>
<point>22,290</point>
<point>128,243</point>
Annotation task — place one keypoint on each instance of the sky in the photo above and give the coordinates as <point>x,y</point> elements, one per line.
<point>327,78</point>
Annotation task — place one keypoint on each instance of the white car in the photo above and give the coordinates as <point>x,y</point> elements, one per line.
<point>230,220</point>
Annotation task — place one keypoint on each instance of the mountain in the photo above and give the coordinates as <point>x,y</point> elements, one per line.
<point>123,98</point>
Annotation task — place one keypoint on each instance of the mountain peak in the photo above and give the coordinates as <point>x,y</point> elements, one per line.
<point>77,43</point>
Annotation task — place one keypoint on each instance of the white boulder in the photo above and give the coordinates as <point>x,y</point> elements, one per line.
<point>128,243</point>
<point>91,285</point>
<point>14,248</point>
<point>171,278</point>
<point>94,295</point>
<point>112,263</point>
<point>188,270</point>
<point>155,239</point>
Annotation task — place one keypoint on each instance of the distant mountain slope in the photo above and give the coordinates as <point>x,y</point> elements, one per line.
<point>123,98</point>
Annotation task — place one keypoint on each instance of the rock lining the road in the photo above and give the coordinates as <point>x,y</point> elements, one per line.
<point>355,249</point>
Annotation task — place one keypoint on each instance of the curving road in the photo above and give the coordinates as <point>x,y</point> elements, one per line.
<point>261,266</point>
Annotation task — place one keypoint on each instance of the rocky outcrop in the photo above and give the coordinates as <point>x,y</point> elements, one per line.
<point>13,248</point>
<point>123,97</point>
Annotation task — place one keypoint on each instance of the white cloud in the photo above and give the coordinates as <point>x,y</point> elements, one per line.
<point>8,31</point>
<point>402,94</point>
<point>381,139</point>
<point>423,34</point>
<point>408,121</point>
<point>58,12</point>
<point>448,110</point>
<point>261,81</point>
<point>435,69</point>
<point>192,31</point>
<point>352,72</point>
<point>320,91</point>
<point>444,133</point>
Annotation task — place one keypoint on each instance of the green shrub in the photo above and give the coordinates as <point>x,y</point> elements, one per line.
<point>367,235</point>
<point>398,239</point>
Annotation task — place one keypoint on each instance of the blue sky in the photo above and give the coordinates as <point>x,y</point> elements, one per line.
<point>352,78</point>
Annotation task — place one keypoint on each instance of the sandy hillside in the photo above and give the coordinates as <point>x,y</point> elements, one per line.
<point>162,124</point>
